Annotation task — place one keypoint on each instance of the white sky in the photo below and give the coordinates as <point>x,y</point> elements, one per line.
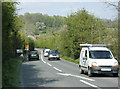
<point>68,0</point>
<point>99,9</point>
<point>61,0</point>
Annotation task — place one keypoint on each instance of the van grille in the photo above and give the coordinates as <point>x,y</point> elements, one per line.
<point>105,66</point>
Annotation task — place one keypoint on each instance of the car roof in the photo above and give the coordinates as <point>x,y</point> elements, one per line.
<point>47,49</point>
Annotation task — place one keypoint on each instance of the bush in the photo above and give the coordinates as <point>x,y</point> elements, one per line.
<point>10,71</point>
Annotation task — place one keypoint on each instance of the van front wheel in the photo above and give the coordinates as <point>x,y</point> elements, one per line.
<point>115,74</point>
<point>81,71</point>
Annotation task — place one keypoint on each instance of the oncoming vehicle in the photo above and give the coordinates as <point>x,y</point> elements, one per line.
<point>97,59</point>
<point>53,54</point>
<point>33,55</point>
<point>46,51</point>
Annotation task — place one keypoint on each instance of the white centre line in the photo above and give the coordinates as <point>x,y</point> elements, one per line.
<point>90,84</point>
<point>57,69</point>
<point>42,58</point>
<point>49,64</point>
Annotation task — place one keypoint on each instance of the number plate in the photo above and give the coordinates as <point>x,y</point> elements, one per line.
<point>105,69</point>
<point>33,55</point>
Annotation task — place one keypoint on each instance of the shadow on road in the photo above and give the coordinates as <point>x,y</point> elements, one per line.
<point>31,76</point>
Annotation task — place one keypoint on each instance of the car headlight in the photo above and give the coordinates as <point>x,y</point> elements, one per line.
<point>115,64</point>
<point>94,64</point>
<point>50,55</point>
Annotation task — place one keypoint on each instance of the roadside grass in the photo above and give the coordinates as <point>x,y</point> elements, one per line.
<point>11,71</point>
<point>70,59</point>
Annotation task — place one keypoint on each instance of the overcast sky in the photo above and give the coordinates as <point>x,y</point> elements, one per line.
<point>66,7</point>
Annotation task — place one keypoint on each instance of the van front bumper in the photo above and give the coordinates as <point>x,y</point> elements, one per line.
<point>102,70</point>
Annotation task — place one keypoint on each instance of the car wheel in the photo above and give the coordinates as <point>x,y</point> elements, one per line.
<point>29,59</point>
<point>115,74</point>
<point>49,59</point>
<point>89,73</point>
<point>81,71</point>
<point>37,58</point>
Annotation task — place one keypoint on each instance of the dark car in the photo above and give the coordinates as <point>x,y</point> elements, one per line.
<point>33,55</point>
<point>53,54</point>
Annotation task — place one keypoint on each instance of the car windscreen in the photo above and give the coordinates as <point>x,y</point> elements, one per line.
<point>53,51</point>
<point>33,52</point>
<point>100,55</point>
<point>47,51</point>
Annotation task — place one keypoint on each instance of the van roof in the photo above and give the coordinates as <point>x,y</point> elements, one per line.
<point>47,49</point>
<point>97,48</point>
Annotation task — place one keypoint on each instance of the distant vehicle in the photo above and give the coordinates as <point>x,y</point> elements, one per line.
<point>97,59</point>
<point>53,54</point>
<point>46,51</point>
<point>33,55</point>
<point>20,53</point>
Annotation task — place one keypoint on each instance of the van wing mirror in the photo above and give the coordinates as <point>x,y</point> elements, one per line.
<point>84,58</point>
<point>116,58</point>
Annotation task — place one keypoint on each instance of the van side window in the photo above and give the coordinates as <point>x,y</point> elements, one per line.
<point>86,53</point>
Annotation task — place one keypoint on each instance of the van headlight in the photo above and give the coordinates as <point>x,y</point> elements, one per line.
<point>94,64</point>
<point>115,64</point>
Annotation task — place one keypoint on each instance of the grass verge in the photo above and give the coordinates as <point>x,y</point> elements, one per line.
<point>70,59</point>
<point>10,72</point>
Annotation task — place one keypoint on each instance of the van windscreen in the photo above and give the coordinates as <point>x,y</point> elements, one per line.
<point>100,55</point>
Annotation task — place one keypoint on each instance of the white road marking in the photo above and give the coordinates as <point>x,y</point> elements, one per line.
<point>42,58</point>
<point>76,76</point>
<point>43,61</point>
<point>90,84</point>
<point>49,64</point>
<point>57,69</point>
<point>64,74</point>
<point>82,77</point>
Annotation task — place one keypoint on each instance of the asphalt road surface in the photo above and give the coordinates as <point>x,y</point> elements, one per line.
<point>60,73</point>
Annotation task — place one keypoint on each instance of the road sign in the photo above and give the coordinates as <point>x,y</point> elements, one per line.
<point>26,47</point>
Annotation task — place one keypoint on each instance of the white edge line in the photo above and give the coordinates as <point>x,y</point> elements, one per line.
<point>89,84</point>
<point>49,64</point>
<point>57,69</point>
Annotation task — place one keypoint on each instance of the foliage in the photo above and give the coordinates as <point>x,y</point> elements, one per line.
<point>35,24</point>
<point>81,28</point>
<point>12,39</point>
<point>10,72</point>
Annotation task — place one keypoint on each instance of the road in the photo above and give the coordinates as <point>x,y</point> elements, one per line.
<point>60,73</point>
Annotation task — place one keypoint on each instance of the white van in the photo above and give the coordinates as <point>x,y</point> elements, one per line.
<point>97,59</point>
<point>46,51</point>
